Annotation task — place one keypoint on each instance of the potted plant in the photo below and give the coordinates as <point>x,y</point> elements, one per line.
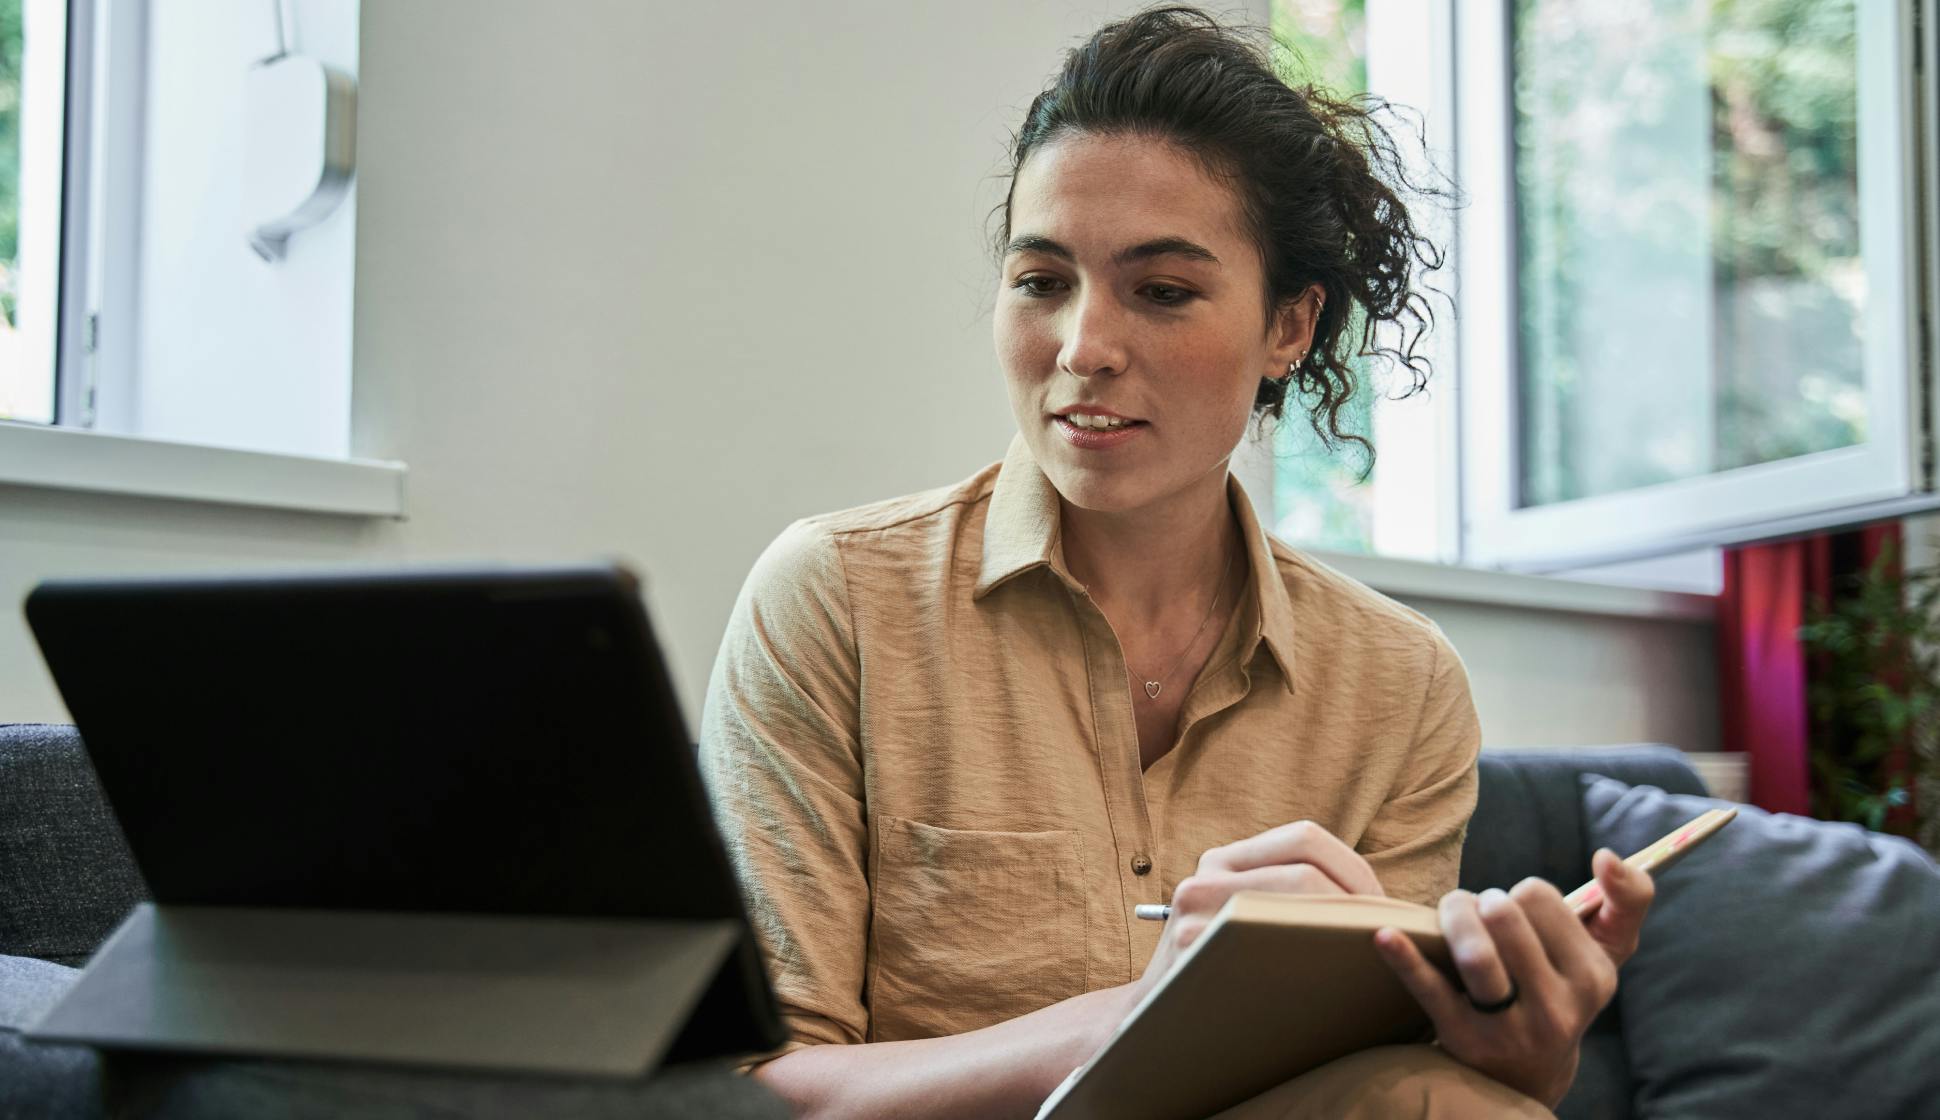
<point>1874,701</point>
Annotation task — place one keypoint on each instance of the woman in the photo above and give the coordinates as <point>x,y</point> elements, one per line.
<point>954,738</point>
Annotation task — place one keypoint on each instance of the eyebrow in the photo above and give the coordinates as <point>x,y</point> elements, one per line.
<point>1158,247</point>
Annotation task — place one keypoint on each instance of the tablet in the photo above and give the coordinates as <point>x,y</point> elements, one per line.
<point>497,750</point>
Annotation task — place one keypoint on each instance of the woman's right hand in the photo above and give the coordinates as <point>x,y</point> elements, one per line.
<point>1297,858</point>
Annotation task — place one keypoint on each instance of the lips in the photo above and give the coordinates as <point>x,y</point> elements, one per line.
<point>1088,432</point>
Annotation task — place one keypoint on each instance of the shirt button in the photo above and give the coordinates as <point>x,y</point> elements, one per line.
<point>1141,865</point>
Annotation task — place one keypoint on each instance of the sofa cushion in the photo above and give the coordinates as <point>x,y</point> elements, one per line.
<point>41,1081</point>
<point>1787,968</point>
<point>1529,809</point>
<point>65,871</point>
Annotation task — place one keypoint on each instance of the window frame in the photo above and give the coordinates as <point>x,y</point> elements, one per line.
<point>1885,476</point>
<point>73,400</point>
<point>97,369</point>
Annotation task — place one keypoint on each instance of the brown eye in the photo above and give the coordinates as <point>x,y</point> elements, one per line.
<point>1167,295</point>
<point>1037,286</point>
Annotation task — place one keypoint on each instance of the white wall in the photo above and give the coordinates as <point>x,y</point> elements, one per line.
<point>654,280</point>
<point>1553,678</point>
<point>650,280</point>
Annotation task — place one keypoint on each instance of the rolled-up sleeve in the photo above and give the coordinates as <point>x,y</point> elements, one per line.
<point>1414,843</point>
<point>780,754</point>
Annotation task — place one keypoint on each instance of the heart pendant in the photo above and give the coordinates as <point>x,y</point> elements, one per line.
<point>1152,689</point>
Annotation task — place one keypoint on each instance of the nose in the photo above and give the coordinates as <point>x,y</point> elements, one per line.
<point>1094,337</point>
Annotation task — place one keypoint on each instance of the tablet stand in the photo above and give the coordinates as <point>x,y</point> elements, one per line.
<point>567,996</point>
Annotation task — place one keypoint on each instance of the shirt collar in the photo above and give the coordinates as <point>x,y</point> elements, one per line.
<point>1021,530</point>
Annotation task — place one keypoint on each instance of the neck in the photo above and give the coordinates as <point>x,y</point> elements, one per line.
<point>1158,562</point>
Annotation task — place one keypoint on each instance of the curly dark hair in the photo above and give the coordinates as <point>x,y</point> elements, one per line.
<point>1316,174</point>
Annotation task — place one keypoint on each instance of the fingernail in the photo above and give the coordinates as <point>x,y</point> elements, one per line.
<point>1492,898</point>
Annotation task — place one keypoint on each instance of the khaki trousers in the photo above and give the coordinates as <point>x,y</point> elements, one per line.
<point>1404,1082</point>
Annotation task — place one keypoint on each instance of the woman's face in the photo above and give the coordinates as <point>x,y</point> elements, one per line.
<point>1132,292</point>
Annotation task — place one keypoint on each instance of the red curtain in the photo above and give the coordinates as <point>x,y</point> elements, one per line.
<point>1763,671</point>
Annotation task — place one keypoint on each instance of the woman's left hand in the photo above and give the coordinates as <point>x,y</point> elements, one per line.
<point>1561,970</point>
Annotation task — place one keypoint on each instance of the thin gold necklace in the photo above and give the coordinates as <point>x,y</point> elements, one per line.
<point>1152,687</point>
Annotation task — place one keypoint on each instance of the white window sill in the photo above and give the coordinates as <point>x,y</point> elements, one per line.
<point>1415,579</point>
<point>71,459</point>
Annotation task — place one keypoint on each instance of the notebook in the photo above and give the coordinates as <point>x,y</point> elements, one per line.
<point>1278,984</point>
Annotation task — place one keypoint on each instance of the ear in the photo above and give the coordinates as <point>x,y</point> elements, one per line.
<point>1292,330</point>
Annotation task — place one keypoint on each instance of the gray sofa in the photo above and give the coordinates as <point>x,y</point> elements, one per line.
<point>67,881</point>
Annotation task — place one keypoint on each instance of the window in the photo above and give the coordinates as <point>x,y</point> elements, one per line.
<point>33,45</point>
<point>1686,270</point>
<point>1698,217</point>
<point>1635,127</point>
<point>167,324</point>
<point>177,238</point>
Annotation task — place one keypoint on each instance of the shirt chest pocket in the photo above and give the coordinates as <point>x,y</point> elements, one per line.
<point>971,928</point>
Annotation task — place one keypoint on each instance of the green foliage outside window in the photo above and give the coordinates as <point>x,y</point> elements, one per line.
<point>1320,500</point>
<point>10,43</point>
<point>1785,81</point>
<point>1692,293</point>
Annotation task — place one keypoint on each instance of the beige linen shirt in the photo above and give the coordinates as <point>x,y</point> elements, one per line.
<point>920,745</point>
